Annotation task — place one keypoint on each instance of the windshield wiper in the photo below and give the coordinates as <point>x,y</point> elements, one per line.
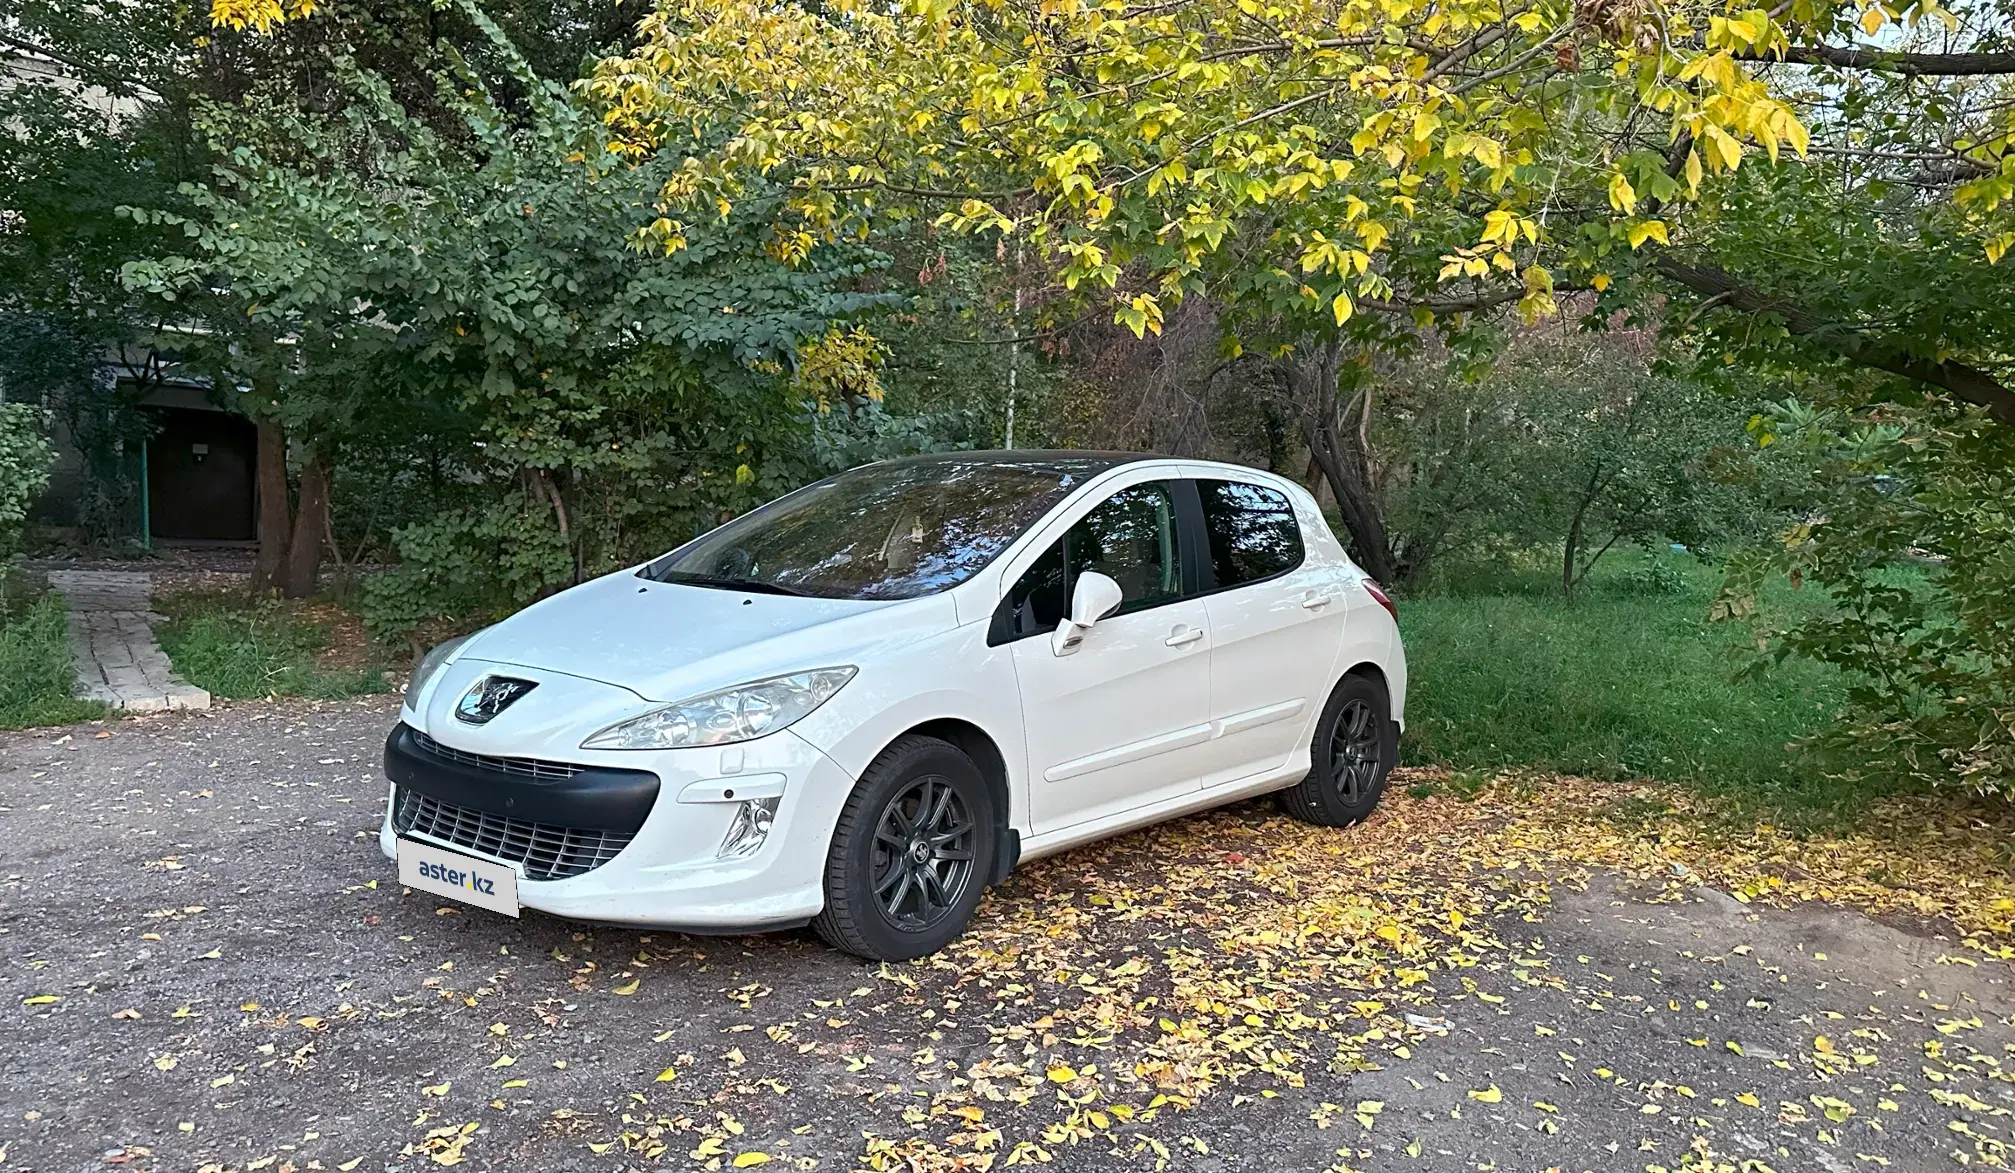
<point>752,585</point>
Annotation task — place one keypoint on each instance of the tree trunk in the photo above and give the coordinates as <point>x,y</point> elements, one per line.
<point>1354,500</point>
<point>1567,554</point>
<point>1312,377</point>
<point>275,518</point>
<point>304,552</point>
<point>1571,548</point>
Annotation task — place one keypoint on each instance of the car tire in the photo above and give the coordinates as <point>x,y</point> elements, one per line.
<point>1355,746</point>
<point>901,879</point>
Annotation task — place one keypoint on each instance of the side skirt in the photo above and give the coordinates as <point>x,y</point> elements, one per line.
<point>1065,838</point>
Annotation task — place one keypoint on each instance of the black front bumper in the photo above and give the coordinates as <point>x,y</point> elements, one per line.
<point>595,797</point>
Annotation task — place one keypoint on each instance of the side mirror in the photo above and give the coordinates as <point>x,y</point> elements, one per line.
<point>1095,597</point>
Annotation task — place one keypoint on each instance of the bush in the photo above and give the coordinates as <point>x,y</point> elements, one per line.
<point>25,460</point>
<point>466,568</point>
<point>1915,552</point>
<point>37,670</point>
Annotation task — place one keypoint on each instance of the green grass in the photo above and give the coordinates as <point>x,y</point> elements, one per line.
<point>244,649</point>
<point>36,668</point>
<point>1628,680</point>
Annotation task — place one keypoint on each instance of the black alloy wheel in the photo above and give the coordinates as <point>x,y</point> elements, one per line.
<point>912,853</point>
<point>923,854</point>
<point>1356,751</point>
<point>1355,746</point>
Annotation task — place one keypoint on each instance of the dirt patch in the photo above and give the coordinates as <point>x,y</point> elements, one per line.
<point>349,649</point>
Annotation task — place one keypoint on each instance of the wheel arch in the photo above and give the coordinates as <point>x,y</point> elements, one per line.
<point>1370,670</point>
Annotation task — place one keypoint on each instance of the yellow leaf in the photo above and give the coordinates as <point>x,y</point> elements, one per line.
<point>1645,230</point>
<point>1750,1099</point>
<point>1059,1073</point>
<point>515,1083</point>
<point>630,987</point>
<point>1622,196</point>
<point>748,1159</point>
<point>1342,308</point>
<point>1489,1095</point>
<point>1599,282</point>
<point>504,1061</point>
<point>41,1000</point>
<point>438,1089</point>
<point>666,1076</point>
<point>350,1164</point>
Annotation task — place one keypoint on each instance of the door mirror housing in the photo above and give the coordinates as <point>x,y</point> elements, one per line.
<point>1095,597</point>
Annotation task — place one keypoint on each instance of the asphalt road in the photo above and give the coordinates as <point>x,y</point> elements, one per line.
<point>205,964</point>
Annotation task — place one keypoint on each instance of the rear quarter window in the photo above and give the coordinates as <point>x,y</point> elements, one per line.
<point>1253,531</point>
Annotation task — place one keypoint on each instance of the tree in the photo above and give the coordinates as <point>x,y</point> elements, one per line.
<point>600,401</point>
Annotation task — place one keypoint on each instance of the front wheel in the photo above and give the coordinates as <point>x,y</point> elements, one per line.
<point>911,854</point>
<point>1355,747</point>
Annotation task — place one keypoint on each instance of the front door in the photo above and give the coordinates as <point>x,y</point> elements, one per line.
<point>1114,725</point>
<point>200,468</point>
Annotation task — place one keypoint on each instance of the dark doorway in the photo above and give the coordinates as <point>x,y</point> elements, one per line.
<point>200,475</point>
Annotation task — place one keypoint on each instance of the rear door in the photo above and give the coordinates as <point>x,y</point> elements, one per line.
<point>1118,723</point>
<point>1277,611</point>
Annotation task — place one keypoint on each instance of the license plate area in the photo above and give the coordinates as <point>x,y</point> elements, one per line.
<point>480,882</point>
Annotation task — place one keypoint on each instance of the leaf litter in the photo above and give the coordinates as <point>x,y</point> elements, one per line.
<point>1103,994</point>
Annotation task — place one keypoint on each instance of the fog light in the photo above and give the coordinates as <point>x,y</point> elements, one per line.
<point>751,826</point>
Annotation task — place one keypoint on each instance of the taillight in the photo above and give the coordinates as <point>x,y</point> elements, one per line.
<point>1371,588</point>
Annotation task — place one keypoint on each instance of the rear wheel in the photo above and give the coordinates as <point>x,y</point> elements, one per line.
<point>911,854</point>
<point>1355,747</point>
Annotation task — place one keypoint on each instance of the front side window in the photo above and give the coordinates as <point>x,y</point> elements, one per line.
<point>1130,538</point>
<point>1254,533</point>
<point>896,530</point>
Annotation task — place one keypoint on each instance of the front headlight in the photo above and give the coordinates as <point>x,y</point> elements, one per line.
<point>429,665</point>
<point>741,713</point>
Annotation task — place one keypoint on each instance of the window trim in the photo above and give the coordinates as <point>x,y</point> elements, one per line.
<point>1209,564</point>
<point>1186,504</point>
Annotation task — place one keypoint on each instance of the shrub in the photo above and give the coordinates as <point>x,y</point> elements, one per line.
<point>1916,551</point>
<point>25,460</point>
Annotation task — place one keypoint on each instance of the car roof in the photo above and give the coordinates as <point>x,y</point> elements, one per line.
<point>1074,460</point>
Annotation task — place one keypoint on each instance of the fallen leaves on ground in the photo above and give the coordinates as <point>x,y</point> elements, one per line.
<point>1237,953</point>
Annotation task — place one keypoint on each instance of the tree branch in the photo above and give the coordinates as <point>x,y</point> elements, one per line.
<point>111,79</point>
<point>1913,64</point>
<point>1965,382</point>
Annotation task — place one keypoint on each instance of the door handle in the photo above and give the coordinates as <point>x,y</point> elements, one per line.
<point>1181,636</point>
<point>1314,602</point>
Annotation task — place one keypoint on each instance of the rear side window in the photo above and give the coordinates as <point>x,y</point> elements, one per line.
<point>1253,531</point>
<point>1131,538</point>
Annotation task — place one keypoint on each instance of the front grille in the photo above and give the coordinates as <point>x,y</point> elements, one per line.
<point>522,767</point>
<point>547,852</point>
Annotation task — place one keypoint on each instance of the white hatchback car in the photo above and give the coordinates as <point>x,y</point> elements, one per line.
<point>863,703</point>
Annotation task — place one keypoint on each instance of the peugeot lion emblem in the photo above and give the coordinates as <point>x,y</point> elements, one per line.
<point>489,696</point>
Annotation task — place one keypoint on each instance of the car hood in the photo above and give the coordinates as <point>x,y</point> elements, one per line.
<point>669,641</point>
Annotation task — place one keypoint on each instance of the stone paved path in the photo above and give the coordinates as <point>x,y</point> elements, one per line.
<point>118,662</point>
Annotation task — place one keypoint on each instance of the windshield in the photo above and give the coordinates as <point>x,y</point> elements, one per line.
<point>895,530</point>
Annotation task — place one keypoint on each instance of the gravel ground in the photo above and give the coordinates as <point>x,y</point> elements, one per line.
<point>209,966</point>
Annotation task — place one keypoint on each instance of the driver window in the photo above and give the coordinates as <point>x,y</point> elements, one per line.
<point>1130,539</point>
